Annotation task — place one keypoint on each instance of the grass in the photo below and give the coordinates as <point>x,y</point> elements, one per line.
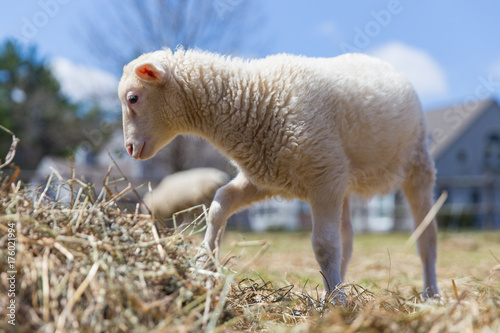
<point>378,259</point>
<point>85,264</point>
<point>468,274</point>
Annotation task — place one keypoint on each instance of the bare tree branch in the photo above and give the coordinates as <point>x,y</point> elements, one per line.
<point>121,31</point>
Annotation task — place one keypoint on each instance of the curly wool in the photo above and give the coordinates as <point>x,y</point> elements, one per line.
<point>285,119</point>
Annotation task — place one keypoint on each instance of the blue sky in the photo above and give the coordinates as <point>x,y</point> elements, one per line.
<point>449,49</point>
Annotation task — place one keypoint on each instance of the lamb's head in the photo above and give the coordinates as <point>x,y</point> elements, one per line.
<point>150,105</point>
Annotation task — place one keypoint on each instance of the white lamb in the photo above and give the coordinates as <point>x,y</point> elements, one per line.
<point>183,190</point>
<point>317,129</point>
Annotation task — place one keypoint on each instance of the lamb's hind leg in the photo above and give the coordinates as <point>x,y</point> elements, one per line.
<point>418,187</point>
<point>237,194</point>
<point>347,236</point>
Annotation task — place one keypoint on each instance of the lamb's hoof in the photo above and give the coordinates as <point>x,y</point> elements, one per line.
<point>203,262</point>
<point>430,294</point>
<point>335,297</point>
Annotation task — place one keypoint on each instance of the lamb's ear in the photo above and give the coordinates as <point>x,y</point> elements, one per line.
<point>151,72</point>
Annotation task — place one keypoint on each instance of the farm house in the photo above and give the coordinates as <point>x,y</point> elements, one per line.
<point>465,144</point>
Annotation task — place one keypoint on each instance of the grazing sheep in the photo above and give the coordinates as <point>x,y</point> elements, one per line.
<point>317,129</point>
<point>183,190</point>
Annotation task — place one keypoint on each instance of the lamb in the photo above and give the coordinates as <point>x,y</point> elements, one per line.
<point>183,190</point>
<point>317,129</point>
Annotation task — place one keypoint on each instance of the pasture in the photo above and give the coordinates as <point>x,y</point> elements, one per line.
<point>379,261</point>
<point>90,266</point>
<point>384,280</point>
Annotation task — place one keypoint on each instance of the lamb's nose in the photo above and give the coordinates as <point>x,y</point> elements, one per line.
<point>130,149</point>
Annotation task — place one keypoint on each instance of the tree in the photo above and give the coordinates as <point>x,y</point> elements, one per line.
<point>117,36</point>
<point>32,106</point>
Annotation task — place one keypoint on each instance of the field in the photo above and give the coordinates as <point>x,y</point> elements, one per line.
<point>389,273</point>
<point>379,260</point>
<point>88,265</point>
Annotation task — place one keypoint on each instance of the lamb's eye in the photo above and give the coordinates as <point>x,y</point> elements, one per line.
<point>133,99</point>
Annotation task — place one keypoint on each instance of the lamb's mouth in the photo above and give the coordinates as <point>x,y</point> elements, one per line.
<point>140,150</point>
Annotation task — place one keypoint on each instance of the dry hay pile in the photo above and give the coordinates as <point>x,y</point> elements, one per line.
<point>83,264</point>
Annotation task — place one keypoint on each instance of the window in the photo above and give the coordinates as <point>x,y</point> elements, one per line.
<point>492,153</point>
<point>475,196</point>
<point>462,156</point>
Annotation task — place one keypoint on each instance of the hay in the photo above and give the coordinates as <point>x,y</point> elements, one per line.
<point>12,150</point>
<point>83,263</point>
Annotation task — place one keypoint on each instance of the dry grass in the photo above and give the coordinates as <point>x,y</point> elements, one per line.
<point>83,264</point>
<point>86,265</point>
<point>384,283</point>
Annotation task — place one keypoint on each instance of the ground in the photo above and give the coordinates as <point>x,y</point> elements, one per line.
<point>379,260</point>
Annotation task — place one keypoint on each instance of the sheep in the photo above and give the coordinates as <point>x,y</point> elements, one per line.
<point>317,129</point>
<point>183,190</point>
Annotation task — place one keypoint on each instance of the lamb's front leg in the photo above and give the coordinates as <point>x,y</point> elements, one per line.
<point>327,243</point>
<point>237,194</point>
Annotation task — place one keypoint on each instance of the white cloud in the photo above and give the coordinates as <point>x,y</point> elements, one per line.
<point>494,69</point>
<point>422,70</point>
<point>327,28</point>
<point>83,84</point>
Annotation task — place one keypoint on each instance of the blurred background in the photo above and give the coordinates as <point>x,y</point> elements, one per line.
<point>61,60</point>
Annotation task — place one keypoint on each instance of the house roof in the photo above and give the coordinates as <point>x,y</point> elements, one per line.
<point>448,124</point>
